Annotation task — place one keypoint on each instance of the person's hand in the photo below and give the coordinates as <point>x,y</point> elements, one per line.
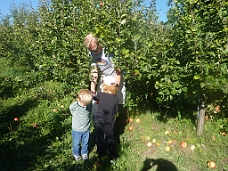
<point>93,93</point>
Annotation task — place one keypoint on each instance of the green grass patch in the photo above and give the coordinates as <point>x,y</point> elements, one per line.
<point>41,137</point>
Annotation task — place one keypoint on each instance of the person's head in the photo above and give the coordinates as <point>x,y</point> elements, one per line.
<point>85,97</point>
<point>92,44</point>
<point>110,89</point>
<point>109,85</point>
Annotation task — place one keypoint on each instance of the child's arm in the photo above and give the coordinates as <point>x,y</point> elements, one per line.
<point>118,76</point>
<point>94,75</point>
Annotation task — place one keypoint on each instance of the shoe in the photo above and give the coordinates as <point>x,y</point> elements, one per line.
<point>85,157</point>
<point>77,158</point>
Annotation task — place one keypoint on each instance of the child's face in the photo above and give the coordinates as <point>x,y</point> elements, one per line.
<point>95,48</point>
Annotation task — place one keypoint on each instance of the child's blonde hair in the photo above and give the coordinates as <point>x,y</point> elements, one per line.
<point>85,97</point>
<point>111,89</point>
<point>89,38</point>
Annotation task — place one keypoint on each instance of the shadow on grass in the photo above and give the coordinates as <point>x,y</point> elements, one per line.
<point>120,123</point>
<point>22,145</point>
<point>7,116</point>
<point>159,164</point>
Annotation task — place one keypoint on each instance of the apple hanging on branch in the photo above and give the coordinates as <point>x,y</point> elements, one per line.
<point>15,119</point>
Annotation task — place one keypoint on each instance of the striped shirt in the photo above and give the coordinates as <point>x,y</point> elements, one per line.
<point>80,117</point>
<point>104,61</point>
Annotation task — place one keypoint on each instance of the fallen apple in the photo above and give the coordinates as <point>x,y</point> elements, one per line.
<point>211,164</point>
<point>137,120</point>
<point>62,106</point>
<point>193,147</point>
<point>170,142</point>
<point>149,144</point>
<point>130,120</point>
<point>130,128</point>
<point>157,144</point>
<point>183,144</point>
<point>148,138</point>
<point>223,133</point>
<point>166,132</point>
<point>167,148</point>
<point>55,110</point>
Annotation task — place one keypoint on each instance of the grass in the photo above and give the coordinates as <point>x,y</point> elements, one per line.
<point>41,138</point>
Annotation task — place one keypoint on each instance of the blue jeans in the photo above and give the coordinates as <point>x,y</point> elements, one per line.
<point>80,142</point>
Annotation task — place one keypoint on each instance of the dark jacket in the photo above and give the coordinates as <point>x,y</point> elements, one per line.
<point>107,109</point>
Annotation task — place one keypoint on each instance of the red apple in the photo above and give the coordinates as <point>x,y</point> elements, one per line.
<point>211,164</point>
<point>217,109</point>
<point>130,128</point>
<point>170,142</point>
<point>183,144</point>
<point>101,4</point>
<point>15,119</point>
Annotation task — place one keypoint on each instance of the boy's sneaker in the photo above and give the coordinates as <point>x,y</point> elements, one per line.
<point>85,157</point>
<point>77,158</point>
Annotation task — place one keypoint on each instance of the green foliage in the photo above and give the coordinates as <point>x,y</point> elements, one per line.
<point>171,64</point>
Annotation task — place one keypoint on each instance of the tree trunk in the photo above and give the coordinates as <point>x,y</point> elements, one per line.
<point>201,119</point>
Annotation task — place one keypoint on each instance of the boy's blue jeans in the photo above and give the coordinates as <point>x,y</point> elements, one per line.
<point>80,142</point>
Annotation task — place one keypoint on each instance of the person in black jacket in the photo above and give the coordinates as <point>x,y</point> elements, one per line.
<point>105,118</point>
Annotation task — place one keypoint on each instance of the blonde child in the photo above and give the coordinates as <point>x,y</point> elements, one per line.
<point>80,111</point>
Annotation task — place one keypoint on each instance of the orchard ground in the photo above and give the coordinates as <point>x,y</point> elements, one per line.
<point>36,135</point>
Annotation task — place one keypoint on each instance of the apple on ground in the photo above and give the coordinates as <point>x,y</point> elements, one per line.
<point>193,147</point>
<point>130,128</point>
<point>166,132</point>
<point>130,120</point>
<point>170,142</point>
<point>211,164</point>
<point>55,110</point>
<point>137,120</point>
<point>223,133</point>
<point>149,144</point>
<point>183,144</point>
<point>213,138</point>
<point>157,144</point>
<point>167,148</point>
<point>147,138</point>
